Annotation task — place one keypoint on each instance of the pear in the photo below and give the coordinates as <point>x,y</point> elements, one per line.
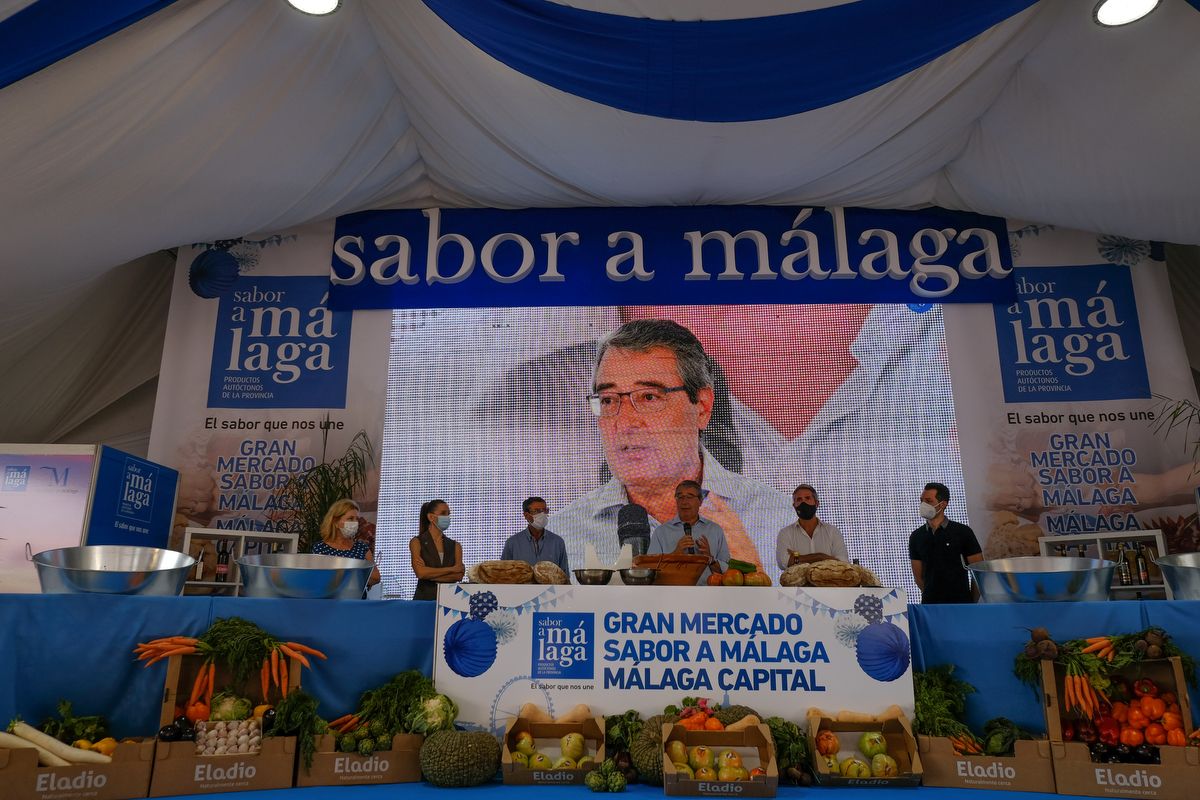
<point>525,744</point>
<point>884,766</point>
<point>564,763</point>
<point>540,761</point>
<point>677,751</point>
<point>520,758</point>
<point>872,744</point>
<point>684,771</point>
<point>573,746</point>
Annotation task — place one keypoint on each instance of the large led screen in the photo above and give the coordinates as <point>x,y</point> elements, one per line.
<point>489,406</point>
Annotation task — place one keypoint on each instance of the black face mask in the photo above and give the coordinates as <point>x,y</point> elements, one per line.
<point>806,510</point>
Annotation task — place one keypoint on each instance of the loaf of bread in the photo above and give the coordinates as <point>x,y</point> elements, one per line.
<point>549,572</point>
<point>833,573</point>
<point>502,572</point>
<point>795,575</point>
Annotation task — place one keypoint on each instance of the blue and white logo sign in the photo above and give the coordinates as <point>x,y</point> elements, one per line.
<point>278,345</point>
<point>137,490</point>
<point>563,645</point>
<point>1073,335</point>
<point>16,478</point>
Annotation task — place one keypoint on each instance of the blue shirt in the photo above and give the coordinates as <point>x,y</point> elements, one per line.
<point>521,546</point>
<point>667,535</point>
<point>357,550</point>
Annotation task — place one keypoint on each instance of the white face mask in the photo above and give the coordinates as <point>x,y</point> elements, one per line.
<point>539,521</point>
<point>350,527</point>
<point>927,511</point>
<point>443,523</point>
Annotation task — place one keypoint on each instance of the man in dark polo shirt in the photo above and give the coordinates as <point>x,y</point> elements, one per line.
<point>938,549</point>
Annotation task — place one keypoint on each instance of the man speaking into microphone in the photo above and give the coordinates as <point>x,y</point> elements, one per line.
<point>688,533</point>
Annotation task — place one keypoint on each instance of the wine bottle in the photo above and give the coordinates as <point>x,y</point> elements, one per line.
<point>222,561</point>
<point>1142,571</point>
<point>1123,575</point>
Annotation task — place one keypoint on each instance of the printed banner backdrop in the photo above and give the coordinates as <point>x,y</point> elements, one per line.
<point>778,650</point>
<point>257,372</point>
<point>133,501</point>
<point>44,491</point>
<point>472,258</point>
<point>1056,402</point>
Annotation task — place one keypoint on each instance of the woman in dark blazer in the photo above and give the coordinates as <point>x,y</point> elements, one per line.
<point>436,558</point>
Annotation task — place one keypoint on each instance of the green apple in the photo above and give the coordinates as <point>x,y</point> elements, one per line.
<point>700,756</point>
<point>520,758</point>
<point>572,746</point>
<point>872,744</point>
<point>525,743</point>
<point>684,770</point>
<point>732,774</point>
<point>884,766</point>
<point>540,761</point>
<point>728,758</point>
<point>677,752</point>
<point>706,774</point>
<point>854,767</point>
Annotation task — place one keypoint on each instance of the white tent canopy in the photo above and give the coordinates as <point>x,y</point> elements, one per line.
<point>215,119</point>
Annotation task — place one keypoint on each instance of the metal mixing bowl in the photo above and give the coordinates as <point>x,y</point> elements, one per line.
<point>1032,579</point>
<point>638,576</point>
<point>1182,574</point>
<point>307,577</point>
<point>593,577</point>
<point>113,569</point>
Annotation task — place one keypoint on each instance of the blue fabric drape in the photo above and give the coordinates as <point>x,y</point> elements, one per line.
<point>721,70</point>
<point>49,30</point>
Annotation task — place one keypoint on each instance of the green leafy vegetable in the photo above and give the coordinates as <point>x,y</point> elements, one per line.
<point>434,714</point>
<point>392,705</point>
<point>296,715</point>
<point>228,706</point>
<point>791,745</point>
<point>1000,736</point>
<point>69,728</point>
<point>941,702</point>
<point>620,730</point>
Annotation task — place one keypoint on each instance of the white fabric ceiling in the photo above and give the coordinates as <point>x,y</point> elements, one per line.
<point>220,118</point>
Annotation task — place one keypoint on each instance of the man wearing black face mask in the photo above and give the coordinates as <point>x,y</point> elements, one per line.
<point>808,539</point>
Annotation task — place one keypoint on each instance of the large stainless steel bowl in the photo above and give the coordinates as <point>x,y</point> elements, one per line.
<point>112,569</point>
<point>1182,574</point>
<point>1033,579</point>
<point>308,577</point>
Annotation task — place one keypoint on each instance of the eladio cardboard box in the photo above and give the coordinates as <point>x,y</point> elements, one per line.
<point>1175,778</point>
<point>401,764</point>
<point>755,746</point>
<point>177,768</point>
<point>1029,769</point>
<point>546,737</point>
<point>126,776</point>
<point>900,745</point>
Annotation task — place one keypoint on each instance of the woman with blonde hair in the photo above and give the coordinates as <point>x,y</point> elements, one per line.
<point>339,536</point>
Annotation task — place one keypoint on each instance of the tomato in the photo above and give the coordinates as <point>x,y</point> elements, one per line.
<point>828,743</point>
<point>1153,707</point>
<point>1172,721</point>
<point>1173,708</point>
<point>1155,734</point>
<point>1137,719</point>
<point>1169,698</point>
<point>1176,737</point>
<point>1120,711</point>
<point>1131,737</point>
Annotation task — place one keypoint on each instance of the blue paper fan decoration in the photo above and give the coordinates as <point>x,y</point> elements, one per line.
<point>482,604</point>
<point>470,647</point>
<point>869,607</point>
<point>883,651</point>
<point>213,273</point>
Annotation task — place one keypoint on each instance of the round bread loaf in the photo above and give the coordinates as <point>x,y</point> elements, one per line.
<point>833,573</point>
<point>549,572</point>
<point>502,572</point>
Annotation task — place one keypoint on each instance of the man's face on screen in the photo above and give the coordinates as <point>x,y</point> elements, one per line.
<point>652,446</point>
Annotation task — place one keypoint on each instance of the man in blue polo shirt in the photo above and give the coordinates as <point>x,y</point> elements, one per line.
<point>689,533</point>
<point>940,550</point>
<point>534,543</point>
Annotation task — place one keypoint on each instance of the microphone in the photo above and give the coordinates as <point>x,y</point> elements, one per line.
<point>633,528</point>
<point>687,531</point>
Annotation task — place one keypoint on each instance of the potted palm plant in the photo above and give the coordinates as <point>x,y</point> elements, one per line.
<point>308,495</point>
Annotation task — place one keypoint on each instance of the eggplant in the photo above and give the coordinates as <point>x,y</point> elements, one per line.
<point>169,733</point>
<point>1123,752</point>
<point>268,719</point>
<point>1100,751</point>
<point>187,734</point>
<point>1113,759</point>
<point>1144,754</point>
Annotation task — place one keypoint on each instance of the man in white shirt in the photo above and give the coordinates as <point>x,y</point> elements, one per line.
<point>808,539</point>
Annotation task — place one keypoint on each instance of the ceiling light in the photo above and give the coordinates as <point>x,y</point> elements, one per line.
<point>1112,13</point>
<point>315,7</point>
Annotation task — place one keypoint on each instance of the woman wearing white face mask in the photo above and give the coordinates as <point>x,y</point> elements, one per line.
<point>436,558</point>
<point>339,536</point>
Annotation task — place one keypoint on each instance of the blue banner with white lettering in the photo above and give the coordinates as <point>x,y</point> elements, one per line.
<point>133,501</point>
<point>728,255</point>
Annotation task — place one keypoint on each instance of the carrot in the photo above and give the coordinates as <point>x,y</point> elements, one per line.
<point>312,651</point>
<point>287,651</point>
<point>275,666</point>
<point>283,678</point>
<point>182,650</point>
<point>340,720</point>
<point>1068,693</point>
<point>175,640</point>
<point>1094,639</point>
<point>1085,692</point>
<point>212,678</point>
<point>264,678</point>
<point>1097,646</point>
<point>199,684</point>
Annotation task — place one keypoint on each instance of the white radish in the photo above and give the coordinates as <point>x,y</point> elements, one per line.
<point>45,757</point>
<point>73,755</point>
